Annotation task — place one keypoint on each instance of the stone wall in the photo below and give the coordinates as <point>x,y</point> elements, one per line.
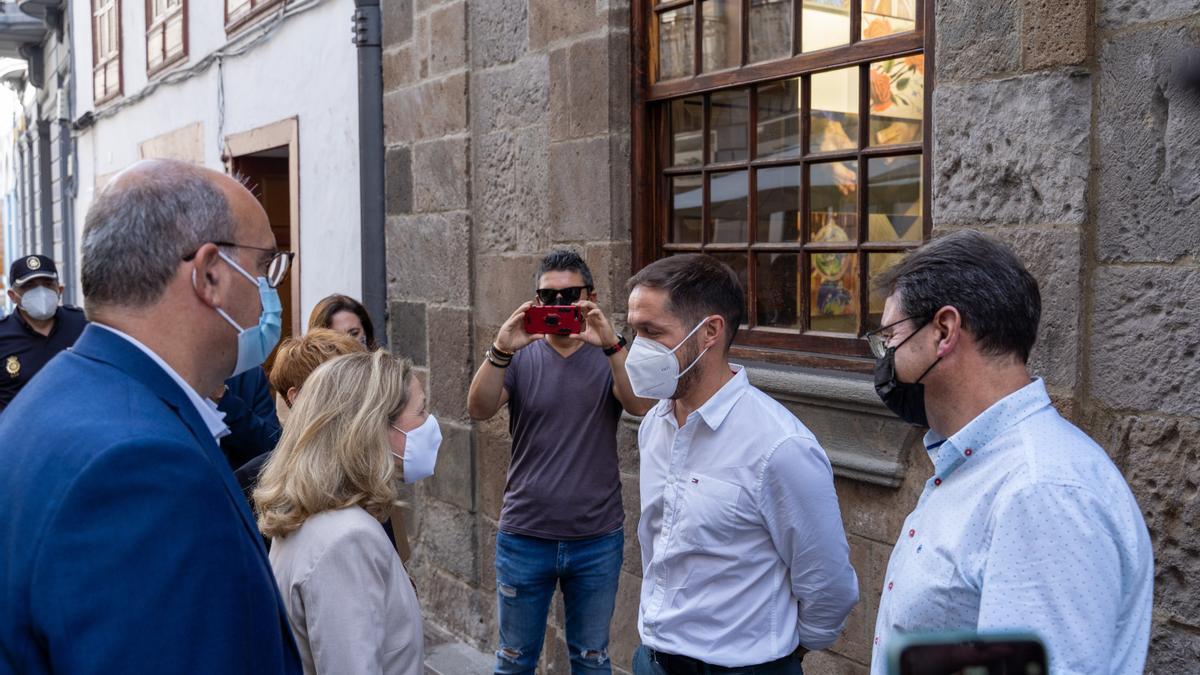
<point>1057,126</point>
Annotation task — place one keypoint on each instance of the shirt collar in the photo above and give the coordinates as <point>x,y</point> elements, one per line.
<point>213,418</point>
<point>949,453</point>
<point>717,407</point>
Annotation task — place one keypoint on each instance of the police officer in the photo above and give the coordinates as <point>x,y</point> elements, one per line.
<point>39,328</point>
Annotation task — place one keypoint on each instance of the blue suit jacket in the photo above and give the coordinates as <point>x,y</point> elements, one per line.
<point>250,414</point>
<point>127,546</point>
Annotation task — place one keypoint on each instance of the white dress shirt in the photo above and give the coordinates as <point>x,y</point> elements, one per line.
<point>1025,525</point>
<point>213,419</point>
<point>743,552</point>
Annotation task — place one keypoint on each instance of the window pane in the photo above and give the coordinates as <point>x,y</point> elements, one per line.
<point>777,293</point>
<point>687,200</point>
<point>738,262</point>
<point>876,263</point>
<point>894,199</point>
<point>676,30</point>
<point>770,29</point>
<point>778,216</point>
<point>888,17</point>
<point>722,23</point>
<point>832,202</point>
<point>897,100</point>
<point>834,291</point>
<point>779,119</point>
<point>834,116</point>
<point>825,23</point>
<point>174,31</point>
<point>728,119</point>
<point>687,131</point>
<point>729,207</point>
<point>154,54</point>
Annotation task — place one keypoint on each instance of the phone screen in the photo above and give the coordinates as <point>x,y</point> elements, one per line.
<point>977,657</point>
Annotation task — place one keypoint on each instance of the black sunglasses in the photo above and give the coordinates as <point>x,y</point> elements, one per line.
<point>561,296</point>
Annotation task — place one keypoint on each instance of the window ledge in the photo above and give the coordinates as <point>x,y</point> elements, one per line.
<point>863,439</point>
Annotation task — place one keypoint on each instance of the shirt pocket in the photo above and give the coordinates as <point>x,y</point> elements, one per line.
<point>710,511</point>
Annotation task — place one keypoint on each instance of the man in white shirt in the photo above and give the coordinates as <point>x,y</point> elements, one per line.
<point>745,562</point>
<point>1026,524</point>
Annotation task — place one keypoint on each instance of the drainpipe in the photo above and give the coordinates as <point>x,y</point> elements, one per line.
<point>368,40</point>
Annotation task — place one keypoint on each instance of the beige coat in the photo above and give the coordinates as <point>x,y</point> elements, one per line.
<point>349,600</point>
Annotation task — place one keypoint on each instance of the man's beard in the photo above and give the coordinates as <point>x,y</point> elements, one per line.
<point>687,356</point>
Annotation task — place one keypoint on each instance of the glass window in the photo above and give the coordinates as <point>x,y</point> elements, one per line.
<point>106,50</point>
<point>166,34</point>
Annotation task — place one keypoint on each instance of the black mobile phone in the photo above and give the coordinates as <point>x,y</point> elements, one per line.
<point>959,653</point>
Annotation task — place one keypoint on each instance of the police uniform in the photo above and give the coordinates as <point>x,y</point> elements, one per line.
<point>23,350</point>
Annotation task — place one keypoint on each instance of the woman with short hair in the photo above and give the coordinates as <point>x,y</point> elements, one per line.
<point>358,426</point>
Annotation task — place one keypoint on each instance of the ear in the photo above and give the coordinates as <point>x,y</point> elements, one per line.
<point>12,295</point>
<point>209,277</point>
<point>713,332</point>
<point>61,289</point>
<point>290,396</point>
<point>592,296</point>
<point>947,324</point>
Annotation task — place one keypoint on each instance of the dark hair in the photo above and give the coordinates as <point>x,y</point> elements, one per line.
<point>697,286</point>
<point>564,260</point>
<point>982,278</point>
<point>322,315</point>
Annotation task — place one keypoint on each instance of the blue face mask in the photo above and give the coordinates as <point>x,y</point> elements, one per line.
<point>255,343</point>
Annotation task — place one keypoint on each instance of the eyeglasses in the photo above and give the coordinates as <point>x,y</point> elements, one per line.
<point>277,269</point>
<point>551,296</point>
<point>878,341</point>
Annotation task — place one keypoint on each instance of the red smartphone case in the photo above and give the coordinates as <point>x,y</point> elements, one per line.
<point>553,320</point>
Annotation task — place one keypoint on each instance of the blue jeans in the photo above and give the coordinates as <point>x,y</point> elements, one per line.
<point>527,571</point>
<point>644,665</point>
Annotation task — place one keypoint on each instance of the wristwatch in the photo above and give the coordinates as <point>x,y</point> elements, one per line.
<point>617,347</point>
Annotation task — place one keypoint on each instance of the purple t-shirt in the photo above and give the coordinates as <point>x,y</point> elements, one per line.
<point>563,480</point>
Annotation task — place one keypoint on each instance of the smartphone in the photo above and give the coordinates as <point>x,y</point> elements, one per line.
<point>967,653</point>
<point>553,320</point>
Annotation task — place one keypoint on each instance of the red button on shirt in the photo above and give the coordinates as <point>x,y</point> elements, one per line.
<point>937,481</point>
<point>912,533</point>
<point>968,452</point>
<point>890,585</point>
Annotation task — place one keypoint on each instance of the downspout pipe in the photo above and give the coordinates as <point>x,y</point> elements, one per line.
<point>368,40</point>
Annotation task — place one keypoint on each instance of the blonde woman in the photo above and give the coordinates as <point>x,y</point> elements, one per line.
<point>358,425</point>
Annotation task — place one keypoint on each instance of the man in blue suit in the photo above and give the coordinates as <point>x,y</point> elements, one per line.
<point>126,544</point>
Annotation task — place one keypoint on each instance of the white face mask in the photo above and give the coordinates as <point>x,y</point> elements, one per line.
<point>39,303</point>
<point>420,449</point>
<point>653,369</point>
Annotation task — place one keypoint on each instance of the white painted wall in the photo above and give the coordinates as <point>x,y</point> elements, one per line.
<point>307,70</point>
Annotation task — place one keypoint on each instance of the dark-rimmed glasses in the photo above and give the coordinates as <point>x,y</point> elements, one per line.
<point>277,269</point>
<point>561,296</point>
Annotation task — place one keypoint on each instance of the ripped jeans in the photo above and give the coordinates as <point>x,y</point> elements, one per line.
<point>528,570</point>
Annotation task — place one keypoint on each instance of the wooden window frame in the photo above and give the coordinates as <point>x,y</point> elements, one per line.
<point>651,172</point>
<point>99,99</point>
<point>258,9</point>
<point>157,23</point>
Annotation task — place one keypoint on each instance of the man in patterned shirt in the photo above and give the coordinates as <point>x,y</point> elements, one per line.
<point>1025,524</point>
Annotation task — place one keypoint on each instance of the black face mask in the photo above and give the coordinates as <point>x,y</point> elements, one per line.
<point>906,399</point>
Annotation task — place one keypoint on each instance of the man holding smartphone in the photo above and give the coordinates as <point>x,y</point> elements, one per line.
<point>562,519</point>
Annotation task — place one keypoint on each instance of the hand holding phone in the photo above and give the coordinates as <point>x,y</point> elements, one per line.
<point>553,320</point>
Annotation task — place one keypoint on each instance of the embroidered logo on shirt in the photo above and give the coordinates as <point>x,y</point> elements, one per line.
<point>13,367</point>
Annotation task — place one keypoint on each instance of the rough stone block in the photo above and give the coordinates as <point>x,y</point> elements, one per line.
<point>454,479</point>
<point>1116,13</point>
<point>877,513</point>
<point>397,18</point>
<point>830,663</point>
<point>620,84</point>
<point>1144,347</point>
<point>509,185</point>
<point>610,263</point>
<point>1174,648</point>
<point>502,284</point>
<point>627,450</point>
<point>620,188</point>
<point>462,608</point>
<point>487,529</point>
<point>1056,33</point>
<point>398,177</point>
<point>588,97</point>
<point>552,20</point>
<point>425,258</point>
<point>555,658</point>
<point>493,458</point>
<point>1148,201</point>
<point>447,538</point>
<point>623,635</point>
<point>560,90</point>
<point>1012,151</point>
<point>511,97</point>
<point>439,175</point>
<point>450,361</point>
<point>399,68</point>
<point>580,190</point>
<point>1054,258</point>
<point>428,110</point>
<point>976,39</point>
<point>499,31</point>
<point>448,38</point>
<point>407,336</point>
<point>1162,464</point>
<point>631,501</point>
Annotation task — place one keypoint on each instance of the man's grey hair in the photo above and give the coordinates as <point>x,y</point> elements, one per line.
<point>139,229</point>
